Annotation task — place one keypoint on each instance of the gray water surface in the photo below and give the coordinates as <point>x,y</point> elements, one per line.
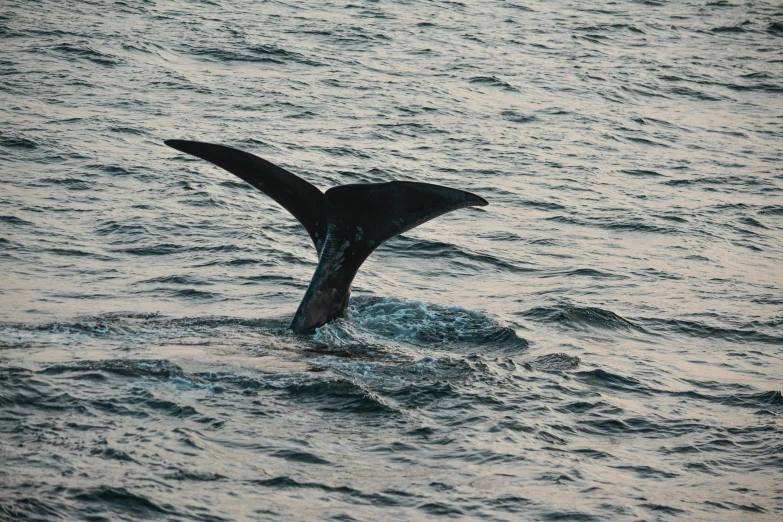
<point>604,341</point>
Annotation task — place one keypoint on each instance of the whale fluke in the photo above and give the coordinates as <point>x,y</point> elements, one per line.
<point>346,223</point>
<point>303,200</point>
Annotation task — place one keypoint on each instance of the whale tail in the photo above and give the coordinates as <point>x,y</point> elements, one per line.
<point>345,224</point>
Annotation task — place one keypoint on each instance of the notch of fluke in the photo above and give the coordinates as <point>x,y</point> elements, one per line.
<point>346,223</point>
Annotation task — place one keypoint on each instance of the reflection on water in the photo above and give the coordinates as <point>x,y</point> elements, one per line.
<point>601,342</point>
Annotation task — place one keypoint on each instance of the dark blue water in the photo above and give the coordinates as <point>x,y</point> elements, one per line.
<point>604,341</point>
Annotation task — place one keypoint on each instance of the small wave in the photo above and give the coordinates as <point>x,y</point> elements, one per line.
<point>702,330</point>
<point>553,362</point>
<point>681,90</point>
<point>734,181</point>
<point>587,272</point>
<point>645,141</point>
<point>28,390</point>
<point>142,397</point>
<point>69,183</point>
<point>737,29</point>
<point>517,117</point>
<point>545,205</point>
<point>72,252</point>
<point>580,318</point>
<point>765,402</point>
<point>239,262</point>
<point>21,389</point>
<point>772,210</point>
<point>603,379</point>
<point>237,185</point>
<point>644,173</point>
<point>113,454</point>
<point>492,81</point>
<point>286,482</point>
<point>304,115</point>
<point>135,368</point>
<point>218,321</point>
<point>224,55</point>
<point>748,508</point>
<point>108,228</point>
<point>203,199</point>
<point>177,280</point>
<point>770,399</point>
<point>752,222</point>
<point>412,129</point>
<point>345,151</point>
<point>197,476</point>
<point>163,249</point>
<point>128,130</point>
<point>302,457</point>
<point>88,53</point>
<point>768,87</point>
<point>421,248</point>
<point>638,226</point>
<point>760,74</point>
<point>121,500</point>
<point>16,142</point>
<point>669,217</point>
<point>254,53</point>
<point>629,225</point>
<point>339,395</point>
<point>191,293</point>
<point>111,169</point>
<point>610,27</point>
<point>13,220</point>
<point>775,28</point>
<point>648,472</point>
<point>519,7</point>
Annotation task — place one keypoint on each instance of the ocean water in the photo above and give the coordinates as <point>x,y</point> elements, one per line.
<point>604,341</point>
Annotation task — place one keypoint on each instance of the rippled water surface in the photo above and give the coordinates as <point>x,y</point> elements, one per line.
<point>604,341</point>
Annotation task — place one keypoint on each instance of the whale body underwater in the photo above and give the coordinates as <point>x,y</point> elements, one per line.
<point>346,223</point>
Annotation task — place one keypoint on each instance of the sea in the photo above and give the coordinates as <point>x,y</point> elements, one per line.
<point>603,341</point>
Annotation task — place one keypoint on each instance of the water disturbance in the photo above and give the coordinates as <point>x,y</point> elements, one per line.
<point>604,341</point>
